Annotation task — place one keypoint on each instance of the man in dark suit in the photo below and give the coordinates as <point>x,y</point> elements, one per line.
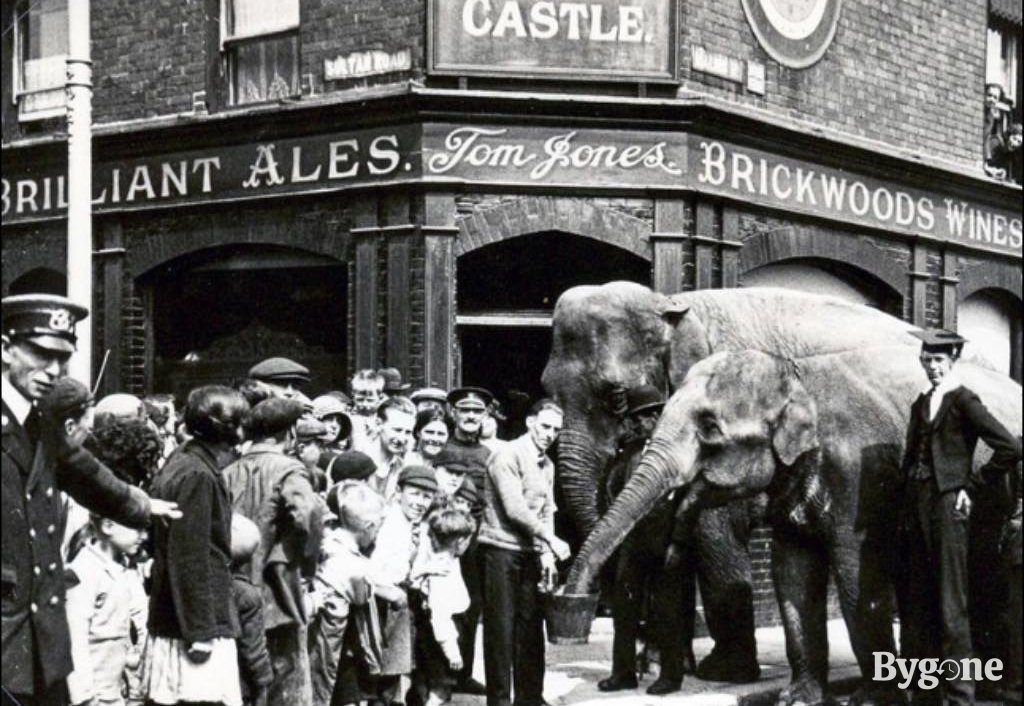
<point>946,423</point>
<point>39,461</point>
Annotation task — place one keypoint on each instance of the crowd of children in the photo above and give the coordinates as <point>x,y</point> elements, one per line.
<point>319,559</point>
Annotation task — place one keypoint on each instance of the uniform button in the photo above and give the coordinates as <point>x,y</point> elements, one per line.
<point>54,600</point>
<point>34,608</point>
<point>49,492</point>
<point>36,570</point>
<point>52,567</point>
<point>51,529</point>
<point>28,496</point>
<point>32,532</point>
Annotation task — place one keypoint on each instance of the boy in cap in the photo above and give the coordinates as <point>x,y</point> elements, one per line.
<point>347,466</point>
<point>284,377</point>
<point>254,667</point>
<point>390,566</point>
<point>38,337</point>
<point>309,433</point>
<point>946,422</point>
<point>271,488</point>
<point>429,398</point>
<point>469,407</point>
<point>393,384</point>
<point>341,581</point>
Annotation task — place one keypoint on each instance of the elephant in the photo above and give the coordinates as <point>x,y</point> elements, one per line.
<point>805,398</point>
<point>605,341</point>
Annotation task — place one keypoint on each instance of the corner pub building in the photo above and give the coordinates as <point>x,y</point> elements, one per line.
<point>412,183</point>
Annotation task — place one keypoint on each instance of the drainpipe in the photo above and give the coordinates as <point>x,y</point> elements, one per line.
<point>79,117</point>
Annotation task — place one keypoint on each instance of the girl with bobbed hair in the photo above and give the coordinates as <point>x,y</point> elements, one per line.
<point>190,654</point>
<point>431,431</point>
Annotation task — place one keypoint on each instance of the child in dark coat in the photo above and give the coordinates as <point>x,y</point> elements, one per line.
<point>254,666</point>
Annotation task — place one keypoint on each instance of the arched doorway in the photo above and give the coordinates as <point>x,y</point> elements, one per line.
<point>990,321</point>
<point>819,276</point>
<point>215,313</point>
<point>41,280</point>
<point>506,293</point>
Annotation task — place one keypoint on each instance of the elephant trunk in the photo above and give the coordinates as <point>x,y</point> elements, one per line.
<point>580,470</point>
<point>658,472</point>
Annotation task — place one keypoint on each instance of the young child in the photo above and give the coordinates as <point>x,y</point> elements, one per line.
<point>99,610</point>
<point>254,668</point>
<point>341,582</point>
<point>441,596</point>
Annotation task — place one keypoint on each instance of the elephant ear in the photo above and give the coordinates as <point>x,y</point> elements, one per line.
<point>686,337</point>
<point>796,429</point>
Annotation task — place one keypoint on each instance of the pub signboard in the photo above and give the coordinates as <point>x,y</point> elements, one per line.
<point>597,40</point>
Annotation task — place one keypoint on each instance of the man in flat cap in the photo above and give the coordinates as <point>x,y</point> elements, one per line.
<point>285,377</point>
<point>945,424</point>
<point>469,407</point>
<point>39,461</point>
<point>271,488</point>
<point>390,567</point>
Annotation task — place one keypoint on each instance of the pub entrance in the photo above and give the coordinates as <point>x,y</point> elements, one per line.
<point>506,294</point>
<point>215,313</point>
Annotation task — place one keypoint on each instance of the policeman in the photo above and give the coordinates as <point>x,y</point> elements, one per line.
<point>945,424</point>
<point>39,461</point>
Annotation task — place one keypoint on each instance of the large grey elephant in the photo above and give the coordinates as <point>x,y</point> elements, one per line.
<point>605,341</point>
<point>808,400</point>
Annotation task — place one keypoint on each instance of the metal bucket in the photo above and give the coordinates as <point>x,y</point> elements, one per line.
<point>568,617</point>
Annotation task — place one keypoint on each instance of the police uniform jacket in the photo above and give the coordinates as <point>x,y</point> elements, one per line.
<point>961,420</point>
<point>35,627</point>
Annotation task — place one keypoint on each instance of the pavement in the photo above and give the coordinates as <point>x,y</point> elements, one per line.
<point>574,670</point>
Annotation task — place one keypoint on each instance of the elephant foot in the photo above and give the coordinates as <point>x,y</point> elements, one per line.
<point>878,695</point>
<point>805,693</point>
<point>731,668</point>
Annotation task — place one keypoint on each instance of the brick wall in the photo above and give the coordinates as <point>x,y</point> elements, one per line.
<point>910,73</point>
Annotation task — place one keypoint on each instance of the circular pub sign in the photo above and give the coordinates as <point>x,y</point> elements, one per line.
<point>795,33</point>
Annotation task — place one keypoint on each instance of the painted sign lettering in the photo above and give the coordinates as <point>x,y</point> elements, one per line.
<point>242,171</point>
<point>762,178</point>
<point>595,40</point>
<point>530,155</point>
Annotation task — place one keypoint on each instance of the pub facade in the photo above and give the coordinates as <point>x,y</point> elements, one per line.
<point>413,184</point>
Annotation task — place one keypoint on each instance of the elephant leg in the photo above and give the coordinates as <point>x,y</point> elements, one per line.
<point>800,573</point>
<point>723,571</point>
<point>863,578</point>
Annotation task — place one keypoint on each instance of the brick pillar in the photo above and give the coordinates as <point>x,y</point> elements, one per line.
<point>705,242</point>
<point>667,239</point>
<point>439,233</point>
<point>398,234</point>
<point>919,285</point>
<point>366,234</point>
<point>112,259</point>
<point>949,281</point>
<point>730,246</point>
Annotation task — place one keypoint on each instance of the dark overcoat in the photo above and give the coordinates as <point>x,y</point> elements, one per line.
<point>35,628</point>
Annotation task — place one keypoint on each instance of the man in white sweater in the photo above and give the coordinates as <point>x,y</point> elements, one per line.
<point>519,549</point>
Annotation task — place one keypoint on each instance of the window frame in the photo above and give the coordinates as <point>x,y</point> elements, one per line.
<point>230,41</point>
<point>22,15</point>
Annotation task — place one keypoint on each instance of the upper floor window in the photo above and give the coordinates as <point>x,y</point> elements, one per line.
<point>40,55</point>
<point>261,41</point>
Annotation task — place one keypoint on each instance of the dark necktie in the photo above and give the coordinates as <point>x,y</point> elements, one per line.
<point>31,427</point>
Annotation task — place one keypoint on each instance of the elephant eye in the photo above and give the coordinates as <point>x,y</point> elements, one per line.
<point>709,431</point>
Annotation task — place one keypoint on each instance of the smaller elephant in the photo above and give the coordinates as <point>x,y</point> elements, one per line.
<point>745,422</point>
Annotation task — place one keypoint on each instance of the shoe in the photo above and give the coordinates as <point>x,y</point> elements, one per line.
<point>716,667</point>
<point>470,686</point>
<point>617,683</point>
<point>663,686</point>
